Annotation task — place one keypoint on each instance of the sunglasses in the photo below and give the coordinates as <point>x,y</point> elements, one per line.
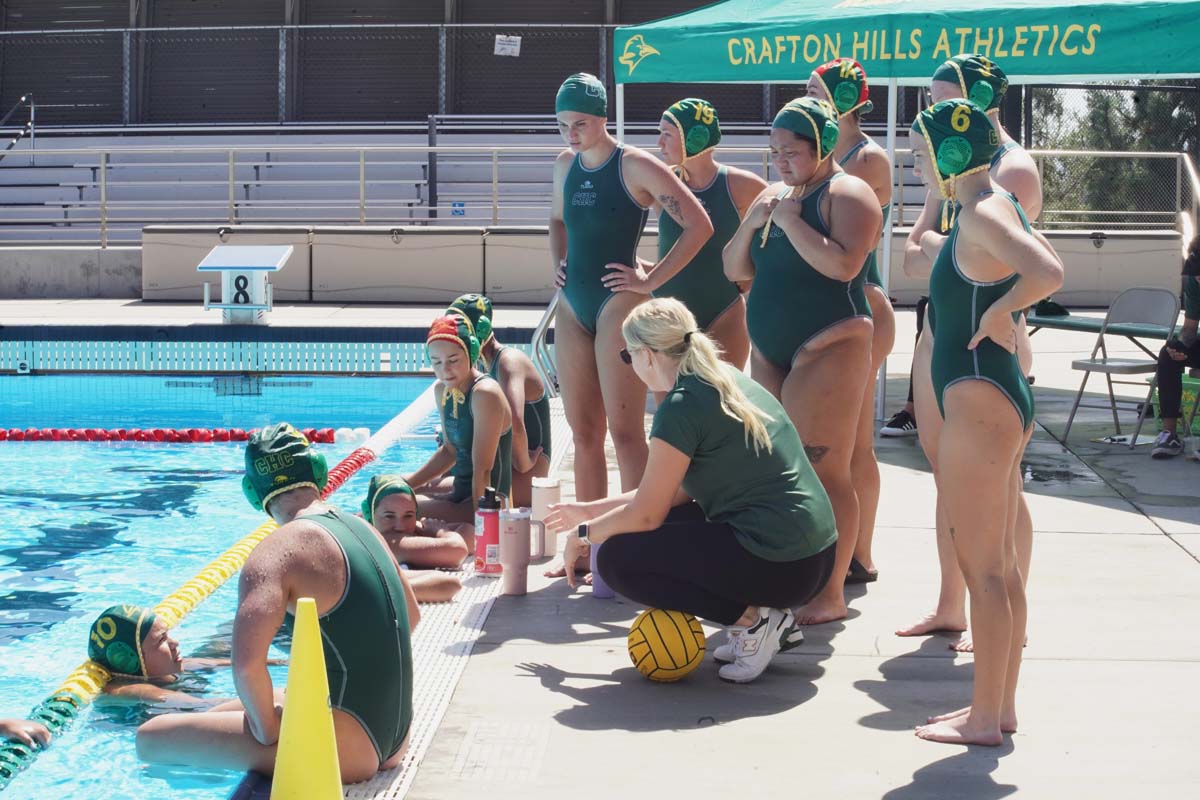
<point>628,359</point>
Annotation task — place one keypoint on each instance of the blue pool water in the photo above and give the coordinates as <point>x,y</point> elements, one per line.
<point>87,525</point>
<point>201,401</point>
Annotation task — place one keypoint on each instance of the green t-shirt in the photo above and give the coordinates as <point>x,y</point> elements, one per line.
<point>773,501</point>
<point>1191,297</point>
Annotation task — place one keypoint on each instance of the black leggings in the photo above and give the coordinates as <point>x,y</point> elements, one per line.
<point>694,565</point>
<point>1170,379</point>
<point>921,303</point>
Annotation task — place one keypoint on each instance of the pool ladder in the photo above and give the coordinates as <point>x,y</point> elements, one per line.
<point>543,359</point>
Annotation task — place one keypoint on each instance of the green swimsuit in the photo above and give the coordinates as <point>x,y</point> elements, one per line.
<point>603,224</point>
<point>365,636</point>
<point>460,432</point>
<point>790,302</point>
<point>536,416</point>
<point>870,271</point>
<point>948,212</point>
<point>701,285</point>
<point>960,303</point>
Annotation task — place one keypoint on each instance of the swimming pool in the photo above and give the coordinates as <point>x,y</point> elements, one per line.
<point>88,525</point>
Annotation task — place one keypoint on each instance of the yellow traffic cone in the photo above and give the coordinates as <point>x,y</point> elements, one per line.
<point>306,763</point>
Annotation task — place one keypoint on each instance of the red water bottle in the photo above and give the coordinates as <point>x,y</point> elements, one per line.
<point>487,534</point>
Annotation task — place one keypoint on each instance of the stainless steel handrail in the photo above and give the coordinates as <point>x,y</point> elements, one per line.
<point>29,129</point>
<point>543,359</point>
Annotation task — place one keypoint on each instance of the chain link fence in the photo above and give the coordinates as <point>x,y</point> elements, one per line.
<point>1102,187</point>
<point>408,73</point>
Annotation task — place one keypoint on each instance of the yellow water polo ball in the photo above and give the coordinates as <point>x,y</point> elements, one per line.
<point>666,645</point>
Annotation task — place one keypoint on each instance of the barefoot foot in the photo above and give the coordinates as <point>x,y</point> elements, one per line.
<point>1008,719</point>
<point>820,611</point>
<point>964,643</point>
<point>960,730</point>
<point>934,623</point>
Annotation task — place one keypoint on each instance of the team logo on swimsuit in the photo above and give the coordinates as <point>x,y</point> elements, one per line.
<point>636,49</point>
<point>585,196</point>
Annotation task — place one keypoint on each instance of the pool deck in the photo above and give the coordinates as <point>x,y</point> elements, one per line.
<point>550,707</point>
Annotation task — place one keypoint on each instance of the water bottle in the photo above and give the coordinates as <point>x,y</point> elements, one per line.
<point>600,589</point>
<point>514,550</point>
<point>545,492</point>
<point>487,534</point>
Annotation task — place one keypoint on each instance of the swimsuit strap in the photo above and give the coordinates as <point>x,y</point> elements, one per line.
<point>863,143</point>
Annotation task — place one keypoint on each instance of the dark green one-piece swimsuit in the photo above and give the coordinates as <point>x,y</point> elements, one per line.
<point>948,211</point>
<point>536,416</point>
<point>458,426</point>
<point>870,271</point>
<point>959,303</point>
<point>702,285</point>
<point>790,302</point>
<point>604,224</point>
<point>366,637</point>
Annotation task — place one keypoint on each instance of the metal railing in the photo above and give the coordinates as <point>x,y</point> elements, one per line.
<point>28,129</point>
<point>1077,192</point>
<point>1189,221</point>
<point>543,358</point>
<point>111,193</point>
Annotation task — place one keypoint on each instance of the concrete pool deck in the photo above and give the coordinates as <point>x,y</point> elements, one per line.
<point>549,705</point>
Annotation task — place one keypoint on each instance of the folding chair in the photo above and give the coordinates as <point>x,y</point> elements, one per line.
<point>1138,306</point>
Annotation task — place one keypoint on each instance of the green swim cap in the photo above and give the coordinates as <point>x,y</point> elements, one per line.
<point>279,458</point>
<point>699,128</point>
<point>584,93</point>
<point>115,640</point>
<point>980,79</point>
<point>960,137</point>
<point>812,119</point>
<point>845,82</point>
<point>380,487</point>
<point>477,309</point>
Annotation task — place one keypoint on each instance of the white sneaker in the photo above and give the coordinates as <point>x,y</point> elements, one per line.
<point>791,638</point>
<point>754,647</point>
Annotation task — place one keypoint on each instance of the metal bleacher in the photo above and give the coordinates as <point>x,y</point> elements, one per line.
<point>102,188</point>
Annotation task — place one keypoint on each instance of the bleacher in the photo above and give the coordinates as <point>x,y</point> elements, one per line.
<point>298,178</point>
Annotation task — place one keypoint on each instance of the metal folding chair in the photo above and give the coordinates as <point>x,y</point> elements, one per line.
<point>1138,306</point>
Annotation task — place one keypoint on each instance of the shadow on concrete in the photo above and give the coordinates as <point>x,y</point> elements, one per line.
<point>1086,470</point>
<point>554,614</point>
<point>965,776</point>
<point>627,701</point>
<point>917,685</point>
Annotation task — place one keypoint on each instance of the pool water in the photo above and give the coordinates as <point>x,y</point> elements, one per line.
<point>88,525</point>
<point>202,401</point>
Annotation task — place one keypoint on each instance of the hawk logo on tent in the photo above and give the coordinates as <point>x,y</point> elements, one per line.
<point>635,50</point>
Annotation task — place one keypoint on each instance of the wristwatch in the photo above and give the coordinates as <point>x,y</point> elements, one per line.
<point>583,534</point>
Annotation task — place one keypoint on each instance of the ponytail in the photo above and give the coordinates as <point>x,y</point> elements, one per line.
<point>666,325</point>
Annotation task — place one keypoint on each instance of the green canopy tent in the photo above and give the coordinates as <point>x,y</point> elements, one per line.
<point>902,42</point>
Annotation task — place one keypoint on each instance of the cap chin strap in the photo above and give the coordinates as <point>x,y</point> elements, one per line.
<point>945,183</point>
<point>272,496</point>
<point>137,635</point>
<point>793,192</point>
<point>680,169</point>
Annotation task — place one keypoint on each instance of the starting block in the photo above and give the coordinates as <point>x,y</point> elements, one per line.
<point>245,290</point>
